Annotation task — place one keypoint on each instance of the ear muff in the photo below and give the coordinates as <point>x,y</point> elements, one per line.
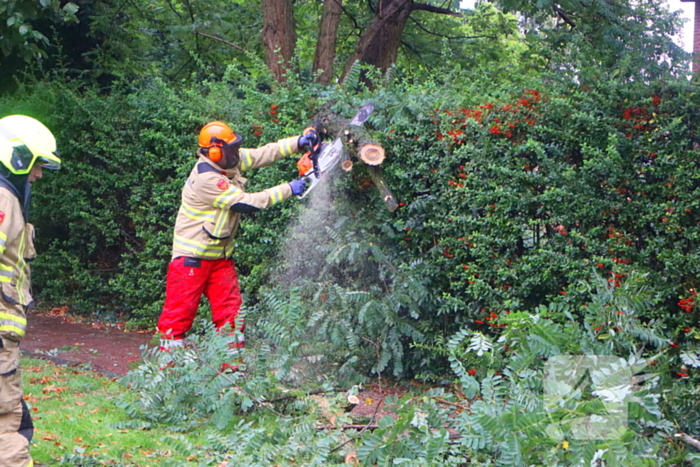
<point>213,136</point>
<point>215,153</point>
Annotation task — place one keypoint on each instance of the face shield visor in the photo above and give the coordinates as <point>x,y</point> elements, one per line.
<point>52,163</point>
<point>230,152</point>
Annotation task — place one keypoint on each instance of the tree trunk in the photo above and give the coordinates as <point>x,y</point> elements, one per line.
<point>327,37</point>
<point>278,36</point>
<point>379,43</point>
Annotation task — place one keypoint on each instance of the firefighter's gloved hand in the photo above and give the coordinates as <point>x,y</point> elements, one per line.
<point>309,139</point>
<point>298,186</point>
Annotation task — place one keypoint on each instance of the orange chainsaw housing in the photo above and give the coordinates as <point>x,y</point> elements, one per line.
<point>304,164</point>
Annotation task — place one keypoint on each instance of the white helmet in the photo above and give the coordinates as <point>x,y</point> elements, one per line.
<point>23,140</point>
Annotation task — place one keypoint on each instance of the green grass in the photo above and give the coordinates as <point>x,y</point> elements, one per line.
<point>75,414</point>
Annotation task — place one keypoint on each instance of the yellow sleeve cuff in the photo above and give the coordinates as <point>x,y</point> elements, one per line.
<point>289,145</point>
<point>279,193</point>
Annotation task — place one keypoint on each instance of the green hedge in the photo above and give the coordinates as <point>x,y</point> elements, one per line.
<point>514,196</point>
<point>104,222</point>
<point>510,195</point>
<point>544,198</point>
<point>510,198</point>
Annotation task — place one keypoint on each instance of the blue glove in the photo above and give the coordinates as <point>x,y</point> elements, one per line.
<point>310,139</point>
<point>298,186</point>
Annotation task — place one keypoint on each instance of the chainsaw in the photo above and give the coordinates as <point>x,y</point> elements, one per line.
<point>324,156</point>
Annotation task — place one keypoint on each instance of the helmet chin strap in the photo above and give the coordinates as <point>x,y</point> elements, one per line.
<point>19,186</point>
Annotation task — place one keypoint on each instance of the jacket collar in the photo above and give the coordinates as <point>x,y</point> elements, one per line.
<point>20,187</point>
<point>234,173</point>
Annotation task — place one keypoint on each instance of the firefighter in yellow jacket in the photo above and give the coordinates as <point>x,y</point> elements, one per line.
<point>26,146</point>
<point>213,200</point>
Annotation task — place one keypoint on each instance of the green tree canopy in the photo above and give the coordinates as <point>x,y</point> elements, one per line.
<point>24,29</point>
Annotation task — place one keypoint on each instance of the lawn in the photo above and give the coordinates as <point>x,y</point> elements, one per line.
<point>75,414</point>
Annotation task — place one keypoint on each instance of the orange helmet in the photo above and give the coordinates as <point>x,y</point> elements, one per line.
<point>213,136</point>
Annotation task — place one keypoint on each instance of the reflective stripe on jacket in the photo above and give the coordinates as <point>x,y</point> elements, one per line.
<point>213,200</point>
<point>16,250</point>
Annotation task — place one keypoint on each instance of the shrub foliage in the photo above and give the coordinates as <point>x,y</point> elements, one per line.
<point>539,216</point>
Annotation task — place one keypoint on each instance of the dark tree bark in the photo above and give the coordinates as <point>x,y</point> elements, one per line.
<point>379,43</point>
<point>279,37</point>
<point>327,38</point>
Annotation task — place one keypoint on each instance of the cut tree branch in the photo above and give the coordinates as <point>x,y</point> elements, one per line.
<point>306,394</point>
<point>234,386</point>
<point>375,174</point>
<point>364,428</point>
<point>348,427</point>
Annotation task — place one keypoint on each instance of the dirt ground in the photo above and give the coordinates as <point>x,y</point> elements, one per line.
<point>109,349</point>
<point>59,337</point>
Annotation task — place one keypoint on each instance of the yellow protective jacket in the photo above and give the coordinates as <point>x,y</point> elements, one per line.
<point>213,200</point>
<point>16,250</point>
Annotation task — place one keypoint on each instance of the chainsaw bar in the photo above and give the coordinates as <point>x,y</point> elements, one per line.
<point>327,155</point>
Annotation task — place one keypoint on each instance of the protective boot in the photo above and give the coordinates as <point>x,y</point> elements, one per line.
<point>169,345</point>
<point>236,345</point>
<point>172,351</point>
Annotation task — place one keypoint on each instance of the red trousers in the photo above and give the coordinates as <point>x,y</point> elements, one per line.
<point>188,279</point>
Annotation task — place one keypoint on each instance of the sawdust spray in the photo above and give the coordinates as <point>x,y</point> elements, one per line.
<point>308,240</point>
<point>303,262</point>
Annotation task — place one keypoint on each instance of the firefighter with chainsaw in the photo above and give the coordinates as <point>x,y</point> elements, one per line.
<point>26,146</point>
<point>213,200</point>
